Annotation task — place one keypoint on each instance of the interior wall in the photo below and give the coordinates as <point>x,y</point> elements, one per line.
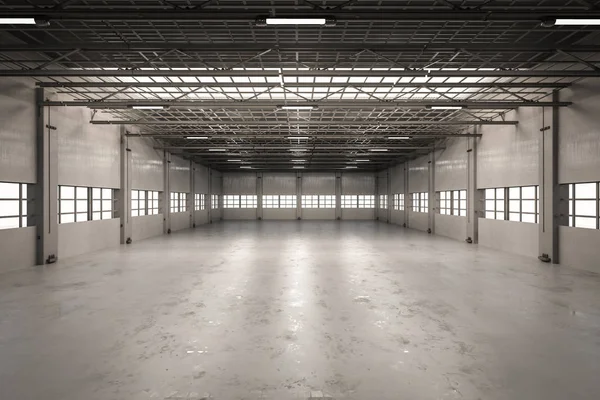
<point>201,179</point>
<point>17,164</point>
<point>396,176</point>
<point>179,181</point>
<point>315,183</point>
<point>579,162</point>
<point>239,183</point>
<point>509,156</point>
<point>216,183</point>
<point>418,182</point>
<point>279,183</point>
<point>358,183</point>
<point>382,190</point>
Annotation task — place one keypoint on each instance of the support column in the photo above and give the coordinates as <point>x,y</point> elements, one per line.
<point>338,195</point>
<point>192,198</point>
<point>550,192</point>
<point>474,196</point>
<point>166,200</point>
<point>124,197</point>
<point>431,196</point>
<point>407,197</point>
<point>298,195</point>
<point>259,196</point>
<point>46,196</point>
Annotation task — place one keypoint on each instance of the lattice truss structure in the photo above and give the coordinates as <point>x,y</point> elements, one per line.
<point>381,71</point>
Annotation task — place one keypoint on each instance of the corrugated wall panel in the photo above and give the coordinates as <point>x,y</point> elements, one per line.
<point>509,155</point>
<point>451,166</point>
<point>358,183</point>
<point>397,178</point>
<point>579,134</point>
<point>201,179</point>
<point>147,170</point>
<point>17,131</point>
<point>318,183</point>
<point>418,175</point>
<point>279,183</point>
<point>239,183</point>
<point>179,179</point>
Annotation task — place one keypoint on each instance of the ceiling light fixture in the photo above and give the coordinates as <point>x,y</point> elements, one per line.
<point>298,150</point>
<point>298,167</point>
<point>398,137</point>
<point>149,107</point>
<point>234,160</point>
<point>378,149</point>
<point>447,107</point>
<point>245,167</point>
<point>298,137</point>
<point>17,21</point>
<point>217,149</point>
<point>351,167</point>
<point>297,107</point>
<point>196,137</point>
<point>266,21</point>
<point>298,160</point>
<point>575,21</point>
<point>362,160</point>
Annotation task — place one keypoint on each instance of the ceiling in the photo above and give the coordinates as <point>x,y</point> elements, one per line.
<point>379,72</point>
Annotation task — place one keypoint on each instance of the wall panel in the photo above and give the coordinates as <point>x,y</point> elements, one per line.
<point>451,226</point>
<point>279,183</point>
<point>418,221</point>
<point>17,247</point>
<point>418,175</point>
<point>578,248</point>
<point>239,183</point>
<point>147,169</point>
<point>318,183</point>
<point>146,226</point>
<point>358,183</point>
<point>180,221</point>
<point>85,237</point>
<point>512,237</point>
<point>179,175</point>
<point>451,166</point>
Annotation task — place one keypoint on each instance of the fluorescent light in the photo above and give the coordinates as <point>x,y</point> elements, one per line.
<point>298,150</point>
<point>17,21</point>
<point>234,160</point>
<point>446,107</point>
<point>298,137</point>
<point>217,149</point>
<point>298,167</point>
<point>398,137</point>
<point>245,166</point>
<point>296,21</point>
<point>298,107</point>
<point>363,160</point>
<point>148,107</point>
<point>378,149</point>
<point>572,21</point>
<point>351,166</point>
<point>298,160</point>
<point>196,137</point>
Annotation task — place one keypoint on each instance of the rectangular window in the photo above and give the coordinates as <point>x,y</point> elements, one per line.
<point>494,203</point>
<point>152,202</point>
<point>453,202</point>
<point>102,203</point>
<point>248,201</point>
<point>280,201</point>
<point>383,201</point>
<point>358,201</point>
<point>231,201</point>
<point>318,201</point>
<point>13,205</point>
<point>420,202</point>
<point>178,202</point>
<point>399,201</point>
<point>198,201</point>
<point>520,204</point>
<point>584,205</point>
<point>214,201</point>
<point>326,201</point>
<point>78,204</point>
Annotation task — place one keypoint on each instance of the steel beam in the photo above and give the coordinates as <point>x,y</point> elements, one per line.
<point>347,104</point>
<point>301,123</point>
<point>312,136</point>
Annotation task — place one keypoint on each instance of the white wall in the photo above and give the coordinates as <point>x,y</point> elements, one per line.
<point>216,188</point>
<point>358,183</point>
<point>179,181</point>
<point>17,164</point>
<point>579,161</point>
<point>239,183</point>
<point>511,237</point>
<point>314,183</point>
<point>279,183</point>
<point>418,182</point>
<point>396,177</point>
<point>201,179</point>
<point>85,237</point>
<point>147,173</point>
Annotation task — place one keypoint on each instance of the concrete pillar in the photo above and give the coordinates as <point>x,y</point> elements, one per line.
<point>124,197</point>
<point>474,196</point>
<point>552,211</point>
<point>432,200</point>
<point>192,197</point>
<point>338,195</point>
<point>259,195</point>
<point>298,195</point>
<point>46,195</point>
<point>407,197</point>
<point>166,200</point>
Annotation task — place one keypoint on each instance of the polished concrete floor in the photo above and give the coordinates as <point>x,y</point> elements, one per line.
<point>299,309</point>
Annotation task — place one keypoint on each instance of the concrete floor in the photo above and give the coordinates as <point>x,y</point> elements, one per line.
<point>359,310</point>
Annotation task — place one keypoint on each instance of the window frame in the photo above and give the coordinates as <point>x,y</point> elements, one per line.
<point>178,202</point>
<point>572,205</point>
<point>23,205</point>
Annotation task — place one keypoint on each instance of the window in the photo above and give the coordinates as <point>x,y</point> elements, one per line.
<point>280,201</point>
<point>318,201</point>
<point>399,201</point>
<point>214,201</point>
<point>453,202</point>
<point>248,201</point>
<point>231,201</point>
<point>13,205</point>
<point>420,202</point>
<point>144,202</point>
<point>358,201</point>
<point>178,202</point>
<point>584,207</point>
<point>199,201</point>
<point>519,204</point>
<point>383,201</point>
<point>78,204</point>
